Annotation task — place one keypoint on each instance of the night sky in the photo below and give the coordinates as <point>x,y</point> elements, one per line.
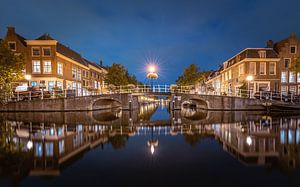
<point>172,33</point>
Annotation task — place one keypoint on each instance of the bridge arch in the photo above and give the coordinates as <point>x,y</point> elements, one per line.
<point>195,103</point>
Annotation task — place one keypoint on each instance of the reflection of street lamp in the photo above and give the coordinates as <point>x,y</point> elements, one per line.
<point>152,143</point>
<point>28,77</point>
<point>249,79</point>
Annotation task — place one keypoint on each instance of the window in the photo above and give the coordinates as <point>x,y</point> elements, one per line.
<point>50,85</point>
<point>287,62</point>
<point>33,83</point>
<point>283,77</point>
<point>60,68</point>
<point>272,68</point>
<point>293,89</point>
<point>298,77</point>
<point>262,54</point>
<point>283,88</point>
<point>47,66</point>
<point>241,69</point>
<point>79,89</point>
<point>43,83</point>
<point>12,46</point>
<point>79,74</point>
<point>85,83</point>
<point>293,49</point>
<point>61,147</point>
<point>38,149</point>
<point>87,74</point>
<point>292,77</point>
<point>36,66</point>
<point>74,71</point>
<point>252,68</point>
<point>73,85</point>
<point>229,74</point>
<point>59,84</point>
<point>46,51</point>
<point>35,51</point>
<point>49,148</point>
<point>95,84</point>
<point>262,68</point>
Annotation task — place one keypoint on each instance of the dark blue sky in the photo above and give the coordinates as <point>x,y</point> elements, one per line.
<point>174,33</point>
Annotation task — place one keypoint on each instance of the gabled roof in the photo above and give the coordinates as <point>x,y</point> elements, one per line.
<point>64,50</point>
<point>22,39</point>
<point>280,44</point>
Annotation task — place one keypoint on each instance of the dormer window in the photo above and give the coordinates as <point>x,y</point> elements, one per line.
<point>46,51</point>
<point>262,54</point>
<point>35,51</point>
<point>293,49</point>
<point>12,46</point>
<point>225,64</point>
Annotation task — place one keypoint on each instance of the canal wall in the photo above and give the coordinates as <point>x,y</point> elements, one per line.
<point>88,103</point>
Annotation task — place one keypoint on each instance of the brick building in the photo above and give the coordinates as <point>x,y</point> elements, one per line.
<point>52,64</point>
<point>268,68</point>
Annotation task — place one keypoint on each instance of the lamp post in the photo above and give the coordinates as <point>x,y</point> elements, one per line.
<point>152,74</point>
<point>249,79</point>
<point>28,77</point>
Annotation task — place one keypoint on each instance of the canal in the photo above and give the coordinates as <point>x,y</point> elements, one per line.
<point>149,147</point>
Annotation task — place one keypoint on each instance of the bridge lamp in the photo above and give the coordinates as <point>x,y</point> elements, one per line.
<point>29,144</point>
<point>151,69</point>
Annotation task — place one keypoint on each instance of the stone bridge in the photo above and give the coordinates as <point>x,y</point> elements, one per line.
<point>215,102</point>
<point>129,101</point>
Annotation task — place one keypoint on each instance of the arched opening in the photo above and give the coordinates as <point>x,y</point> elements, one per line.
<point>106,104</point>
<point>195,104</point>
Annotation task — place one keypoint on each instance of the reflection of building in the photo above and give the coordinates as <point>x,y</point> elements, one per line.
<point>52,64</point>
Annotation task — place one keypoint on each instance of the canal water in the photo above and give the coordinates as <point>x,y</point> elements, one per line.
<point>149,147</point>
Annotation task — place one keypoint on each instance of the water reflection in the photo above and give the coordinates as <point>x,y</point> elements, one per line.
<point>36,145</point>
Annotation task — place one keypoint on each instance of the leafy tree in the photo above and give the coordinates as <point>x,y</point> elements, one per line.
<point>191,76</point>
<point>295,65</point>
<point>11,66</point>
<point>118,75</point>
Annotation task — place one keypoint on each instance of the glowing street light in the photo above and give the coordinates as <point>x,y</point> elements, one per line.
<point>249,140</point>
<point>249,78</point>
<point>29,144</point>
<point>151,69</point>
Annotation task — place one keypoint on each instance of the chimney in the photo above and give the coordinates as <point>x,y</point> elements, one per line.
<point>270,44</point>
<point>101,63</point>
<point>11,30</point>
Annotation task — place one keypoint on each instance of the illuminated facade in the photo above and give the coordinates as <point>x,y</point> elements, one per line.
<point>54,65</point>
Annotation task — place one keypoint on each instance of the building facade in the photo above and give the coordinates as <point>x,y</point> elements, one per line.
<point>259,69</point>
<point>53,65</point>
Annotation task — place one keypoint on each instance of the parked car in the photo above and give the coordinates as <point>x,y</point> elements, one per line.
<point>34,92</point>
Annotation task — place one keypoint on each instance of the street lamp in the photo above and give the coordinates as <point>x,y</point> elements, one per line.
<point>152,73</point>
<point>249,78</point>
<point>28,77</point>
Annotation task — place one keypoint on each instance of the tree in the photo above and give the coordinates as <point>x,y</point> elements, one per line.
<point>295,65</point>
<point>191,76</point>
<point>118,75</point>
<point>11,66</point>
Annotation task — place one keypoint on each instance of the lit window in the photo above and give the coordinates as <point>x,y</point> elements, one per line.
<point>50,85</point>
<point>252,68</point>
<point>283,77</point>
<point>79,89</point>
<point>229,74</point>
<point>79,74</point>
<point>73,85</point>
<point>262,54</point>
<point>287,62</point>
<point>47,66</point>
<point>61,147</point>
<point>272,68</point>
<point>60,68</point>
<point>298,77</point>
<point>38,149</point>
<point>12,46</point>
<point>36,66</point>
<point>293,49</point>
<point>293,89</point>
<point>49,148</point>
<point>95,84</point>
<point>74,72</point>
<point>292,77</point>
<point>241,69</point>
<point>59,84</point>
<point>46,51</point>
<point>262,68</point>
<point>35,51</point>
<point>33,83</point>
